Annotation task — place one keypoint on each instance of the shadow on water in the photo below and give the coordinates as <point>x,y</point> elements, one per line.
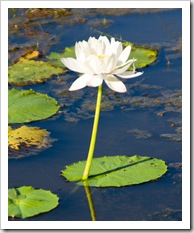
<point>132,123</point>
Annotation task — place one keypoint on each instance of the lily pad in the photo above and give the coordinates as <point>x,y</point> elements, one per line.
<point>117,171</point>
<point>143,55</point>
<point>27,71</point>
<point>55,58</point>
<point>28,105</point>
<point>26,201</point>
<point>25,141</point>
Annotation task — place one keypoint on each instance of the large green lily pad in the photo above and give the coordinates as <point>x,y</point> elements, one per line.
<point>28,105</point>
<point>27,71</point>
<point>117,171</point>
<point>26,201</point>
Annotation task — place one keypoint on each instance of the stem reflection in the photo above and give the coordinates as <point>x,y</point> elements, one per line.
<point>90,201</point>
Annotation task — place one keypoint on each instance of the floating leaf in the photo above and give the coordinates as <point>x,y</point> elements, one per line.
<point>28,105</point>
<point>27,71</point>
<point>143,55</point>
<point>26,140</point>
<point>117,171</point>
<point>55,58</point>
<point>26,201</point>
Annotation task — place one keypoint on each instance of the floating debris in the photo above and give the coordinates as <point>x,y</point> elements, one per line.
<point>124,11</point>
<point>47,12</point>
<point>177,123</point>
<point>100,22</point>
<point>166,214</point>
<point>176,174</point>
<point>177,166</point>
<point>139,134</point>
<point>174,137</point>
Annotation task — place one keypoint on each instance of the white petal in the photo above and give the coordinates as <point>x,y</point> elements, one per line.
<point>92,40</point>
<point>80,82</point>
<point>124,55</point>
<point>106,43</point>
<point>95,81</point>
<point>115,84</point>
<point>121,69</point>
<point>129,74</point>
<point>95,63</point>
<point>72,64</point>
<point>116,47</point>
<point>95,46</point>
<point>81,51</point>
<point>104,39</point>
<point>109,63</point>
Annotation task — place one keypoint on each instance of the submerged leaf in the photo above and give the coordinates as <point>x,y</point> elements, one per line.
<point>28,105</point>
<point>30,136</point>
<point>25,141</point>
<point>27,71</point>
<point>26,201</point>
<point>117,171</point>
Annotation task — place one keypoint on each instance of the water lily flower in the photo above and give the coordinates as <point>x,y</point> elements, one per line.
<point>98,60</point>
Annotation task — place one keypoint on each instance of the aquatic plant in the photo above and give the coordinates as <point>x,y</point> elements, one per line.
<point>26,201</point>
<point>101,60</point>
<point>98,60</point>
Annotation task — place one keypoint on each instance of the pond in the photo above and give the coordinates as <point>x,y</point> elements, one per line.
<point>144,121</point>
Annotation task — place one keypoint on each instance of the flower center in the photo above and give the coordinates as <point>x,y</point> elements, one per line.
<point>101,56</point>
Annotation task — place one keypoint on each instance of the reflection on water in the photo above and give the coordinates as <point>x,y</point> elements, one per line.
<point>145,121</point>
<point>90,201</point>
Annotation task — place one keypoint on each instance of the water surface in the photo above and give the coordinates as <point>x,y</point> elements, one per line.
<point>158,113</point>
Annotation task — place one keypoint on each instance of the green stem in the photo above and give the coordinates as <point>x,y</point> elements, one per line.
<point>94,133</point>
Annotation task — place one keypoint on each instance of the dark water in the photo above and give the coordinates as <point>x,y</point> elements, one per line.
<point>160,200</point>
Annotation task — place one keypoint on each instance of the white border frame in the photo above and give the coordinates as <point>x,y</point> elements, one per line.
<point>185,223</point>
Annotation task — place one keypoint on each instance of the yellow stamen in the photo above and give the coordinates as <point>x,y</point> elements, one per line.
<point>101,56</point>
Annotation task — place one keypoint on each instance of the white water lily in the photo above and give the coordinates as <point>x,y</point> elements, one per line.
<point>98,60</point>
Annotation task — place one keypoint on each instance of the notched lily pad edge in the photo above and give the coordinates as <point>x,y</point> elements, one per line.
<point>42,97</point>
<point>42,80</point>
<point>52,204</point>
